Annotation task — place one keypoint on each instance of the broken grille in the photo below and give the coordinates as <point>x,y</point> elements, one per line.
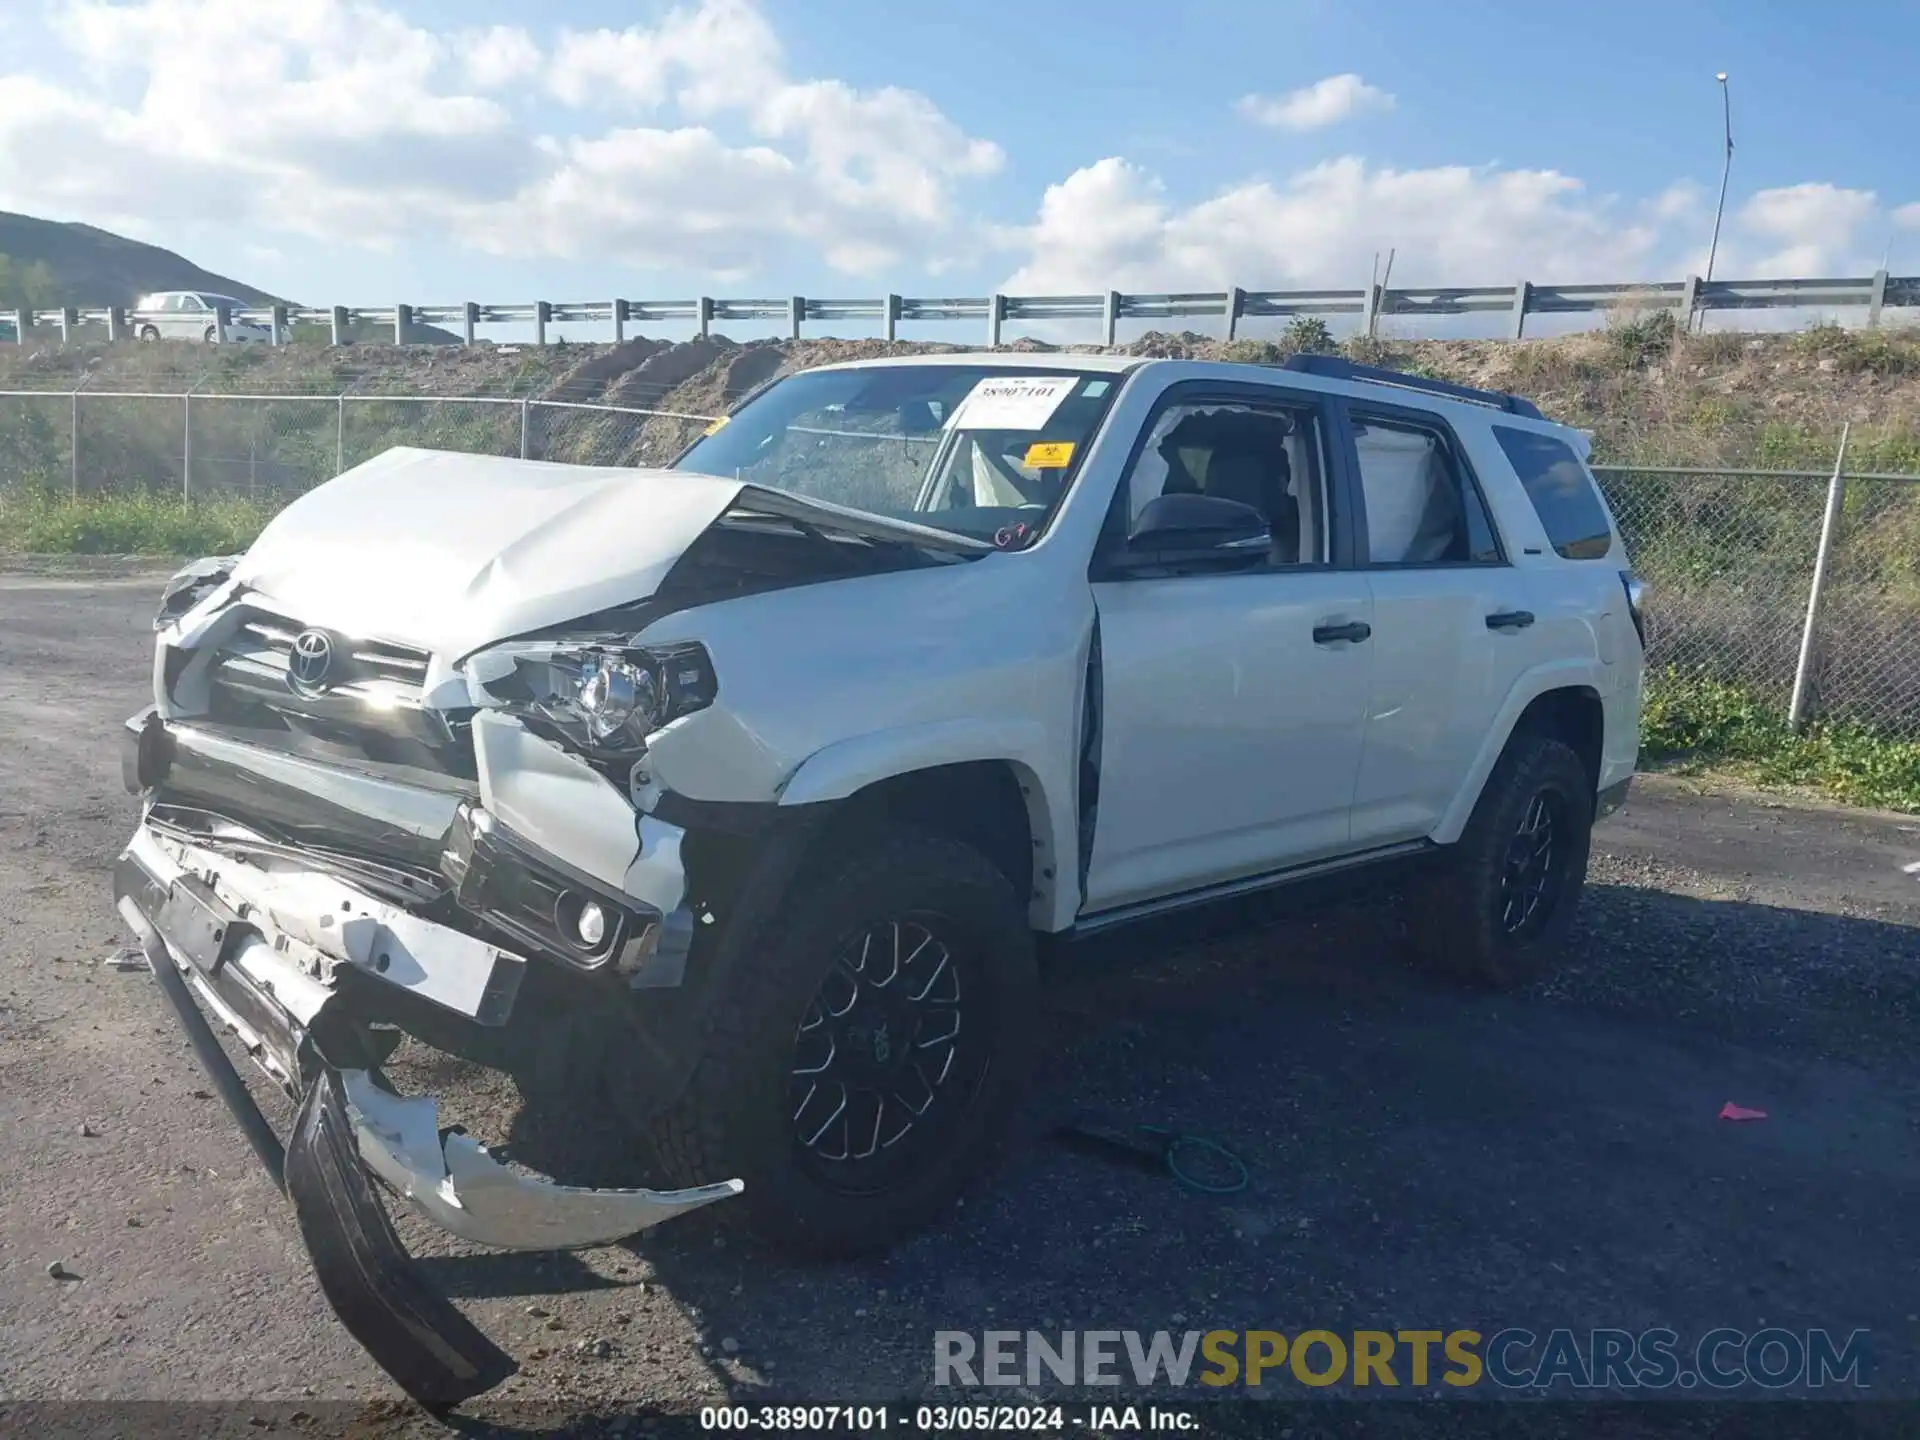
<point>369,706</point>
<point>366,660</point>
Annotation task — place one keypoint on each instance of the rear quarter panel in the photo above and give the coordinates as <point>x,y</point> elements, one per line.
<point>1583,636</point>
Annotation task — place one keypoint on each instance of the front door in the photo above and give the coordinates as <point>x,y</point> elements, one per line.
<point>1233,704</point>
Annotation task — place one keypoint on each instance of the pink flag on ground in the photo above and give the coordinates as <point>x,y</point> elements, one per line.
<point>1731,1111</point>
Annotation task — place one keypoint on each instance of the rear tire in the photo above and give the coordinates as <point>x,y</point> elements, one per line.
<point>1498,909</point>
<point>903,977</point>
<point>148,334</point>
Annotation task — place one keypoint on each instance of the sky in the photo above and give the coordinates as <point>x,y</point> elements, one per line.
<point>364,152</point>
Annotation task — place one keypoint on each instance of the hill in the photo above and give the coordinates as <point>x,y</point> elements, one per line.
<point>50,262</point>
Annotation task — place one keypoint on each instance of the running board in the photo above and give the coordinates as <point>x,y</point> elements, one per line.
<point>1104,920</point>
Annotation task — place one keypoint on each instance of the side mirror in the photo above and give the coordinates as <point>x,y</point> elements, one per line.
<point>1195,530</point>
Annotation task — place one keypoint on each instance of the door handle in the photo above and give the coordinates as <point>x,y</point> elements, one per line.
<point>1509,620</point>
<point>1354,630</point>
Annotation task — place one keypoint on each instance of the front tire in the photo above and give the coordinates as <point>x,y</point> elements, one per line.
<point>865,1061</point>
<point>1498,909</point>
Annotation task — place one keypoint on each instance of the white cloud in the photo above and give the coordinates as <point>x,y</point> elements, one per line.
<point>1112,224</point>
<point>1907,217</point>
<point>343,120</point>
<point>1814,227</point>
<point>1325,102</point>
<point>498,56</point>
<point>713,56</point>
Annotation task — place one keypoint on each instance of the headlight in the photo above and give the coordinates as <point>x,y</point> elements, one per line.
<point>190,585</point>
<point>601,698</point>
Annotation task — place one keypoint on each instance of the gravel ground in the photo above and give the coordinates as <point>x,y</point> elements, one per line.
<point>1417,1158</point>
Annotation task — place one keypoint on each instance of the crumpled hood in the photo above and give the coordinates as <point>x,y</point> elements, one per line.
<point>450,552</point>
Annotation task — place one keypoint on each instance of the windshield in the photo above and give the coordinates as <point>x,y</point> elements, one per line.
<point>982,450</point>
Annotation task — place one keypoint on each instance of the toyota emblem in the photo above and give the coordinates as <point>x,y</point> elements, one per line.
<point>309,662</point>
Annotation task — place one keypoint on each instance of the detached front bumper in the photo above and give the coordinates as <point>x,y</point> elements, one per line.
<point>276,955</point>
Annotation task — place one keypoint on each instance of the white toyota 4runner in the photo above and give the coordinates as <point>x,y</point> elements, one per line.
<point>747,798</point>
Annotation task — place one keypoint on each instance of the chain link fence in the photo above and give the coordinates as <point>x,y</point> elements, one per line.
<point>1729,558</point>
<point>270,448</point>
<point>1729,555</point>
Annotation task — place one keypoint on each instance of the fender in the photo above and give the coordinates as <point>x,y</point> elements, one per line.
<point>1041,762</point>
<point>1585,673</point>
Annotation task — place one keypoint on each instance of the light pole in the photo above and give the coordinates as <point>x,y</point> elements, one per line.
<point>1726,170</point>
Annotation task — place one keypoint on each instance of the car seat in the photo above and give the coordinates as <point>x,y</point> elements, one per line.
<point>1259,478</point>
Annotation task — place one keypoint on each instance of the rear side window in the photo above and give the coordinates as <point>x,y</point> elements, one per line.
<point>1562,493</point>
<point>1421,509</point>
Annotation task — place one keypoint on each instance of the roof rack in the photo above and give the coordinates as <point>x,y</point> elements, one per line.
<point>1333,367</point>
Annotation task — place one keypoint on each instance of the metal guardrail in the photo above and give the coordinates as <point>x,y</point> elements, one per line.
<point>1689,297</point>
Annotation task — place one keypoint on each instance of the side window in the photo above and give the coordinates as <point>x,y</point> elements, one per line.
<point>1264,456</point>
<point>1421,510</point>
<point>170,303</point>
<point>1561,491</point>
<point>191,302</point>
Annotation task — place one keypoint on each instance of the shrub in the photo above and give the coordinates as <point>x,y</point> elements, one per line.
<point>1368,350</point>
<point>1308,333</point>
<point>1639,339</point>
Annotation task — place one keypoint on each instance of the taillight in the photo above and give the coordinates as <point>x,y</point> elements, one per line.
<point>1636,589</point>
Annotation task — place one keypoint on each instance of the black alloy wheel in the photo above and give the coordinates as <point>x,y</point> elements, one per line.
<point>889,1053</point>
<point>1527,879</point>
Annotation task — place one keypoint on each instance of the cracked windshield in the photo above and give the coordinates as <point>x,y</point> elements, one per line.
<point>984,451</point>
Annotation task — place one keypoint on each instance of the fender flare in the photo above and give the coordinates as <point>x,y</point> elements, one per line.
<point>1579,674</point>
<point>848,766</point>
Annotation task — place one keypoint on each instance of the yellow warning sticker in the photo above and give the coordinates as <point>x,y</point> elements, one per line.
<point>1049,455</point>
<point>715,427</point>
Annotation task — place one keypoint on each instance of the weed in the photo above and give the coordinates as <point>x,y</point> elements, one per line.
<point>1253,352</point>
<point>1639,339</point>
<point>1368,350</point>
<point>1692,719</point>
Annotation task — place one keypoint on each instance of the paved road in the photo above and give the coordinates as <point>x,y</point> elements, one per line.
<point>1418,1159</point>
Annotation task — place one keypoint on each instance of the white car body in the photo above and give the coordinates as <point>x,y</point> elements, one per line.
<point>1384,745</point>
<point>195,315</point>
<point>1172,735</point>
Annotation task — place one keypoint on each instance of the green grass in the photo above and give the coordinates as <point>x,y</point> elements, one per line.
<point>140,523</point>
<point>1692,722</point>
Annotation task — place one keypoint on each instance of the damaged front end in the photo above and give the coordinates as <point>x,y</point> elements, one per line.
<point>317,904</point>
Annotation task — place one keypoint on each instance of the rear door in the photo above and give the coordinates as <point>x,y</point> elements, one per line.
<point>1450,616</point>
<point>1233,702</point>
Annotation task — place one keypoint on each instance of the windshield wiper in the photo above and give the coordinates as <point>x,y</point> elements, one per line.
<point>859,524</point>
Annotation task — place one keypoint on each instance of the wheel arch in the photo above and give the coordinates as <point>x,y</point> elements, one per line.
<point>1562,700</point>
<point>990,786</point>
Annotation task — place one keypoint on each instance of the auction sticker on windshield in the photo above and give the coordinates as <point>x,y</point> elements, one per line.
<point>1013,402</point>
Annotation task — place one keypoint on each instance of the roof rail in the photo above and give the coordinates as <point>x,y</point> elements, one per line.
<point>1333,367</point>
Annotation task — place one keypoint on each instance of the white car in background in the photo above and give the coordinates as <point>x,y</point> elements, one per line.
<point>195,315</point>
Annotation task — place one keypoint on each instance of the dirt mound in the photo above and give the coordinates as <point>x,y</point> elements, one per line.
<point>1647,394</point>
